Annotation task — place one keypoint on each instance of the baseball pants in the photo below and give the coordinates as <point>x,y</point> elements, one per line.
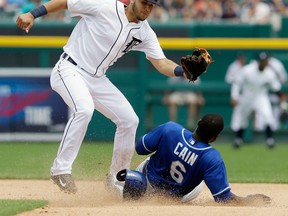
<point>84,94</point>
<point>241,113</point>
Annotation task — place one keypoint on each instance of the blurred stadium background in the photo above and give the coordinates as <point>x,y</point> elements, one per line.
<point>30,110</point>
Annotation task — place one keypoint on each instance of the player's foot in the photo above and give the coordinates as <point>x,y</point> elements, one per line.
<point>113,185</point>
<point>237,143</point>
<point>65,183</point>
<point>270,142</point>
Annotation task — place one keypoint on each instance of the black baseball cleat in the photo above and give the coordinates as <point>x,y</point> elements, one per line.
<point>237,143</point>
<point>270,142</point>
<point>65,182</point>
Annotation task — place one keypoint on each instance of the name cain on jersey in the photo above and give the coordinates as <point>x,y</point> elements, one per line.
<point>185,154</point>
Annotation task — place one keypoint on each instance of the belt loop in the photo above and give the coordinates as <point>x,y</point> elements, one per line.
<point>68,58</point>
<point>65,56</point>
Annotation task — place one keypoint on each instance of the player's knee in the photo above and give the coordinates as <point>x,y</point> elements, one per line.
<point>133,122</point>
<point>85,111</point>
<point>130,122</point>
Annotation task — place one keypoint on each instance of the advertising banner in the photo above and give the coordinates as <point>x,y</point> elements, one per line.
<point>28,105</point>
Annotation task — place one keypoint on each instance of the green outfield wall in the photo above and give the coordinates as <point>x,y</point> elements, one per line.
<point>135,76</point>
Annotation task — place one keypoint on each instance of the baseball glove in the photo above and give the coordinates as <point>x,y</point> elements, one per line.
<point>196,64</point>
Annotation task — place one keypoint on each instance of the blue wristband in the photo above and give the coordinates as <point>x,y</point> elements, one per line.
<point>178,71</point>
<point>38,12</point>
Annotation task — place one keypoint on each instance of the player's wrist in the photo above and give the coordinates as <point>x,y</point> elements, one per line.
<point>179,71</point>
<point>38,12</point>
<point>31,15</point>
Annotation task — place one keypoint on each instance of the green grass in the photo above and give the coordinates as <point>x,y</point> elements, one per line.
<point>13,207</point>
<point>253,163</point>
<point>26,160</point>
<point>33,160</point>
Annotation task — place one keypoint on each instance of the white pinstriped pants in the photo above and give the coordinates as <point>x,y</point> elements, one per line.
<point>83,94</point>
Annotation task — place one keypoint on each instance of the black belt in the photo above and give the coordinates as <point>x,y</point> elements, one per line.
<point>65,55</point>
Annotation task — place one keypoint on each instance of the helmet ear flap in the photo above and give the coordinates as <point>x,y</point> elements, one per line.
<point>121,175</point>
<point>135,183</point>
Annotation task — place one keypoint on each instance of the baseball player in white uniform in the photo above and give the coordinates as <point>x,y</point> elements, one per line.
<point>232,73</point>
<point>234,68</point>
<point>107,29</point>
<point>281,74</point>
<point>250,92</point>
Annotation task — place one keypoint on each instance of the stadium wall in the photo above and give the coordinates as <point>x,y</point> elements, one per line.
<point>139,81</point>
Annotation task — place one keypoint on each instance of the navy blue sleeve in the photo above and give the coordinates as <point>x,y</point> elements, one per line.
<point>148,143</point>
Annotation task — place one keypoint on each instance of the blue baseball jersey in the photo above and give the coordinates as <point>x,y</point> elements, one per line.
<point>180,162</point>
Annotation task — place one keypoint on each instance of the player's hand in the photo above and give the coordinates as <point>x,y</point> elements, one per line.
<point>25,21</point>
<point>258,199</point>
<point>234,102</point>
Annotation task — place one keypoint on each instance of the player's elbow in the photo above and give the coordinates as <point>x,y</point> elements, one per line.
<point>140,149</point>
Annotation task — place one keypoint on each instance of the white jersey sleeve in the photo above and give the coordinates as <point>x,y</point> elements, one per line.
<point>237,84</point>
<point>80,8</point>
<point>150,45</point>
<point>275,84</point>
<point>279,69</point>
<point>232,72</point>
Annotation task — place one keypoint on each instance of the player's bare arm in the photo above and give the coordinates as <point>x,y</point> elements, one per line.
<point>25,21</point>
<point>164,66</point>
<point>234,102</point>
<point>168,67</point>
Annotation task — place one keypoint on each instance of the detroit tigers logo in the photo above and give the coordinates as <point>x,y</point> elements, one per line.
<point>131,44</point>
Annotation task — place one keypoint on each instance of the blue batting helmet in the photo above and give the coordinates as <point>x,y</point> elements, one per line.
<point>135,183</point>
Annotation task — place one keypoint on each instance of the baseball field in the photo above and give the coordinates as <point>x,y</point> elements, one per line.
<point>25,188</point>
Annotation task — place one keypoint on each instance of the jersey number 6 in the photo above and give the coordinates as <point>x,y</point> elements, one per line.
<point>176,170</point>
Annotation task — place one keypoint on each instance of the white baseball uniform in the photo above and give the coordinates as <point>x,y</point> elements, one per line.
<point>233,71</point>
<point>102,35</point>
<point>281,74</point>
<point>251,90</point>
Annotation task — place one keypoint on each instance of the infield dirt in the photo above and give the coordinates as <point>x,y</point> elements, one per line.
<point>93,199</point>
